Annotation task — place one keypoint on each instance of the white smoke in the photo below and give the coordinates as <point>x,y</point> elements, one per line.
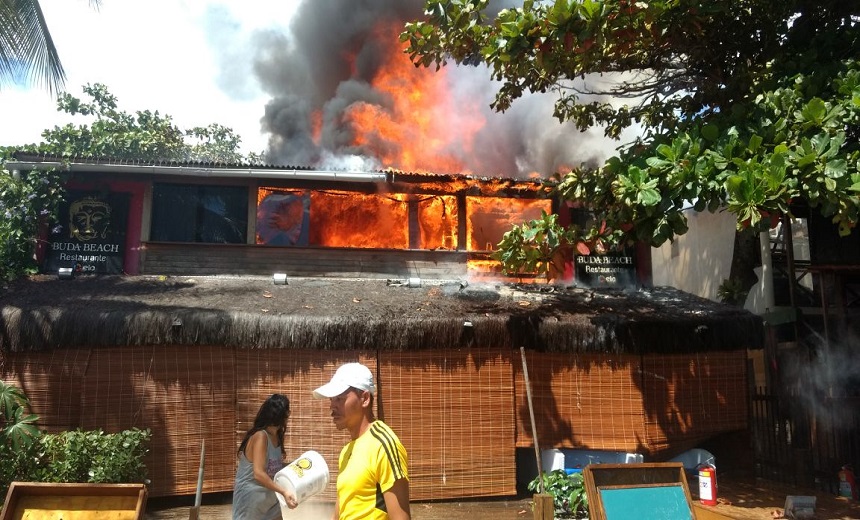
<point>827,377</point>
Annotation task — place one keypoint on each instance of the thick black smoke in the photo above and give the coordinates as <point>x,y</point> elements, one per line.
<point>308,71</point>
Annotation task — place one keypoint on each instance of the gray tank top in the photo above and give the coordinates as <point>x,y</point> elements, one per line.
<point>251,501</point>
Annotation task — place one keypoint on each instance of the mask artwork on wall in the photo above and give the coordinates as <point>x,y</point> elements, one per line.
<point>90,235</point>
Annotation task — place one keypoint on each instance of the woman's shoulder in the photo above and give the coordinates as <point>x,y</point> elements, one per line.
<point>258,437</point>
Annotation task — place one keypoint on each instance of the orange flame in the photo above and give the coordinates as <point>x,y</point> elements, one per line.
<point>386,221</point>
<point>419,129</point>
<point>491,217</point>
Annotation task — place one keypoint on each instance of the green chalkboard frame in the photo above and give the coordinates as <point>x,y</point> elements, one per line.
<point>644,490</point>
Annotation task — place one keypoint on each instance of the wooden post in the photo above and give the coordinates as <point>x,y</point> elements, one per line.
<point>194,514</point>
<point>544,505</point>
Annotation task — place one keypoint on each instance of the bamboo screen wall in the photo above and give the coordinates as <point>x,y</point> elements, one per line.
<point>452,410</point>
<point>581,400</point>
<point>693,397</point>
<point>648,404</point>
<point>460,413</point>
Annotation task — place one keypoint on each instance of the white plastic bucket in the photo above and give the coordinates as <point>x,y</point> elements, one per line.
<point>304,477</point>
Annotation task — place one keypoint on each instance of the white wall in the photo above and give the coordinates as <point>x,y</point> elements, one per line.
<point>698,261</point>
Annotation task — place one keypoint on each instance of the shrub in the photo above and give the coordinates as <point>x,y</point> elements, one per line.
<point>568,493</point>
<point>28,455</point>
<point>94,456</point>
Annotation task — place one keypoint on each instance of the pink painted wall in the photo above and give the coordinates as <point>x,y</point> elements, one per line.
<point>131,258</point>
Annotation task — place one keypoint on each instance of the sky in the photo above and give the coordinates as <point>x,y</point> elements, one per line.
<point>184,58</point>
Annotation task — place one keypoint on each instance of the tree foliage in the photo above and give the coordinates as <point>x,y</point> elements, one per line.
<point>142,135</point>
<point>747,105</point>
<point>29,200</point>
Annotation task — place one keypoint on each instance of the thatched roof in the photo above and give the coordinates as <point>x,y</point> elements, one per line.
<point>320,313</point>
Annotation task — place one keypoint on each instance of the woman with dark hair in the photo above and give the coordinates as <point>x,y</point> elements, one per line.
<point>261,455</point>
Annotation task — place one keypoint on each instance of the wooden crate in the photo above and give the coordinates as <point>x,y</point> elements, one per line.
<point>49,501</point>
<point>645,491</point>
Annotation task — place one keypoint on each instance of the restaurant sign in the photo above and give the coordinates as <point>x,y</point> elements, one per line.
<point>90,235</point>
<point>617,269</point>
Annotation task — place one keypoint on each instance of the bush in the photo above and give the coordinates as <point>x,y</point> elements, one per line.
<point>77,456</point>
<point>94,456</point>
<point>568,493</point>
<point>28,455</point>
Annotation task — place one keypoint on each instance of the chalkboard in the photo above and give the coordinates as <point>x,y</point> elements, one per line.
<point>651,503</point>
<point>648,491</point>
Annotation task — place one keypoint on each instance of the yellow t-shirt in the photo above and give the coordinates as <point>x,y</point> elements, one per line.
<point>369,466</point>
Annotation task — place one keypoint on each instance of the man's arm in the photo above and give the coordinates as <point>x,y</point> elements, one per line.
<point>397,500</point>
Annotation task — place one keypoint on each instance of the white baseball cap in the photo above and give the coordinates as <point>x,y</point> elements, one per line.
<point>349,375</point>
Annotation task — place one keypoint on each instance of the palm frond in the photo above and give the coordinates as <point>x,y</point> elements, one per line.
<point>27,50</point>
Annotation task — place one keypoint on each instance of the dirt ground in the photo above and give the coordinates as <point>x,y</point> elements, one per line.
<point>743,499</point>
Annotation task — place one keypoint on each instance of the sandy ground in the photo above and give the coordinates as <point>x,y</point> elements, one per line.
<point>739,500</point>
<point>495,510</point>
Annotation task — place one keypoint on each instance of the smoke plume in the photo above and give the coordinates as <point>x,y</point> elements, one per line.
<point>335,81</point>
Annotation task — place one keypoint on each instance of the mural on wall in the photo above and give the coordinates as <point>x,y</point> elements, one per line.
<point>283,217</point>
<point>90,235</point>
<point>616,269</point>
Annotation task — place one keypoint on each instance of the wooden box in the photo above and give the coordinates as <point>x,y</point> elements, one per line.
<point>645,491</point>
<point>49,501</point>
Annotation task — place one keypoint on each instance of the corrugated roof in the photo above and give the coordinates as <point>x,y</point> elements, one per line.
<point>391,173</point>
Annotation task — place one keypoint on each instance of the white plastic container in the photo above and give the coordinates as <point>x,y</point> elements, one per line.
<point>304,477</point>
<point>551,460</point>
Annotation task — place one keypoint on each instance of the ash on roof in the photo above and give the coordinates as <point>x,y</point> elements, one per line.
<point>339,314</point>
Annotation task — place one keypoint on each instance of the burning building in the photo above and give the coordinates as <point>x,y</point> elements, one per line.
<point>648,371</point>
<point>177,219</point>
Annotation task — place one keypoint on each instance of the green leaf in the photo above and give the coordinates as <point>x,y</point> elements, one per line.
<point>11,399</point>
<point>657,163</point>
<point>814,111</point>
<point>755,143</point>
<point>710,132</point>
<point>836,168</point>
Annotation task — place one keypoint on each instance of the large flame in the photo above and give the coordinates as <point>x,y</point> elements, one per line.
<point>386,221</point>
<point>418,127</point>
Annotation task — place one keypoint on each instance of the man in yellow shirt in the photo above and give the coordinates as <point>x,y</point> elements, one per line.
<point>372,481</point>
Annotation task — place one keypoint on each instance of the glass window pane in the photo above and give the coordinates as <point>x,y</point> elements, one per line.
<point>198,213</point>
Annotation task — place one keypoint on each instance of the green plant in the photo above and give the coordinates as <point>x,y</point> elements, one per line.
<point>732,291</point>
<point>533,247</point>
<point>19,436</point>
<point>17,428</point>
<point>568,492</point>
<point>95,456</point>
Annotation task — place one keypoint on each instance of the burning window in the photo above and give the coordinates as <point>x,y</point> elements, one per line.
<point>330,218</point>
<point>348,219</point>
<point>437,218</point>
<point>489,218</point>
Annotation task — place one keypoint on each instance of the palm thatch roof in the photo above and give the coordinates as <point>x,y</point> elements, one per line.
<point>43,313</point>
